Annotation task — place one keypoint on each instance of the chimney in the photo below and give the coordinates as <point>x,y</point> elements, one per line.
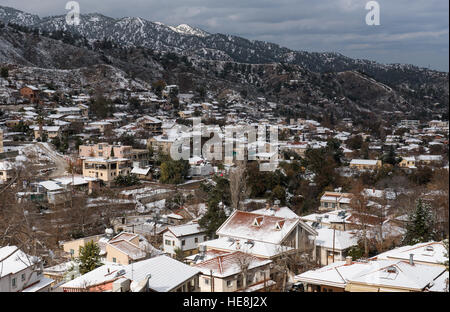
<point>411,259</point>
<point>348,260</point>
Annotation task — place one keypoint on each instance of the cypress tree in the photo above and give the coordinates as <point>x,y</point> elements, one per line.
<point>89,257</point>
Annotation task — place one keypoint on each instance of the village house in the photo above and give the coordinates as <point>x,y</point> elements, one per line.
<point>151,125</point>
<point>185,237</point>
<point>158,274</point>
<point>263,235</point>
<point>102,126</point>
<point>106,169</point>
<point>51,132</point>
<point>139,157</point>
<point>21,272</point>
<point>5,171</point>
<point>408,162</point>
<point>30,92</point>
<point>124,248</point>
<point>335,219</point>
<point>409,268</point>
<point>365,164</point>
<point>234,271</point>
<point>332,245</point>
<point>72,247</point>
<point>335,201</point>
<point>161,143</point>
<point>429,159</point>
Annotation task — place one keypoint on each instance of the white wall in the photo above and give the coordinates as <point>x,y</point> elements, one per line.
<point>189,242</point>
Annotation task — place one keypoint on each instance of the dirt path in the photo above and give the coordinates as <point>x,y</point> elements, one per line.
<point>60,162</point>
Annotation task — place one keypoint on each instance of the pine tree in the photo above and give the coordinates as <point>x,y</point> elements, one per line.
<point>89,258</point>
<point>420,225</point>
<point>213,219</point>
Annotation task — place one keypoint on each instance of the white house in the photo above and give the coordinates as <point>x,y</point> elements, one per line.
<point>20,272</point>
<point>185,237</point>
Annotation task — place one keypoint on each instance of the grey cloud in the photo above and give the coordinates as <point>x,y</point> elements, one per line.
<point>413,32</point>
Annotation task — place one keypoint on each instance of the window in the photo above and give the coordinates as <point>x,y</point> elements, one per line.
<point>23,277</point>
<point>206,281</point>
<point>168,242</point>
<point>114,259</point>
<point>183,242</point>
<point>13,282</point>
<point>72,252</point>
<point>196,239</point>
<point>205,238</point>
<point>229,283</point>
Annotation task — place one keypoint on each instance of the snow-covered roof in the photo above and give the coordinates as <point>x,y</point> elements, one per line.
<point>259,227</point>
<point>141,171</point>
<point>50,185</point>
<point>398,274</point>
<point>440,283</point>
<point>5,165</point>
<point>165,273</point>
<point>282,212</point>
<point>382,273</point>
<point>230,264</point>
<point>105,273</point>
<point>342,239</point>
<point>431,252</point>
<point>128,248</point>
<point>43,282</point>
<point>363,162</point>
<point>255,248</point>
<point>13,260</point>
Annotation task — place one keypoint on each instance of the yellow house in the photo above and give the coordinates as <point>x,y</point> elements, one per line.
<point>124,249</point>
<point>408,162</point>
<point>160,142</point>
<point>72,247</point>
<point>186,114</point>
<point>51,131</point>
<point>106,169</point>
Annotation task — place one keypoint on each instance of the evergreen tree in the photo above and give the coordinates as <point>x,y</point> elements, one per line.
<point>4,72</point>
<point>89,258</point>
<point>213,218</point>
<point>390,158</point>
<point>420,225</point>
<point>174,171</point>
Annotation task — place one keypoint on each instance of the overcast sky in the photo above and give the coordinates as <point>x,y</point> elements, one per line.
<point>411,31</point>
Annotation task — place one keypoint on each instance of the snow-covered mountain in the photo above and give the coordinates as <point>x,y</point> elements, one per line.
<point>189,30</point>
<point>191,41</point>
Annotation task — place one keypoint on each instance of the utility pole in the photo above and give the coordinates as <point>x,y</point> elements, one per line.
<point>212,280</point>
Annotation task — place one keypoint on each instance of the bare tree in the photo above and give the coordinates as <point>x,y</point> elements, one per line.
<point>238,184</point>
<point>358,204</point>
<point>243,259</point>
